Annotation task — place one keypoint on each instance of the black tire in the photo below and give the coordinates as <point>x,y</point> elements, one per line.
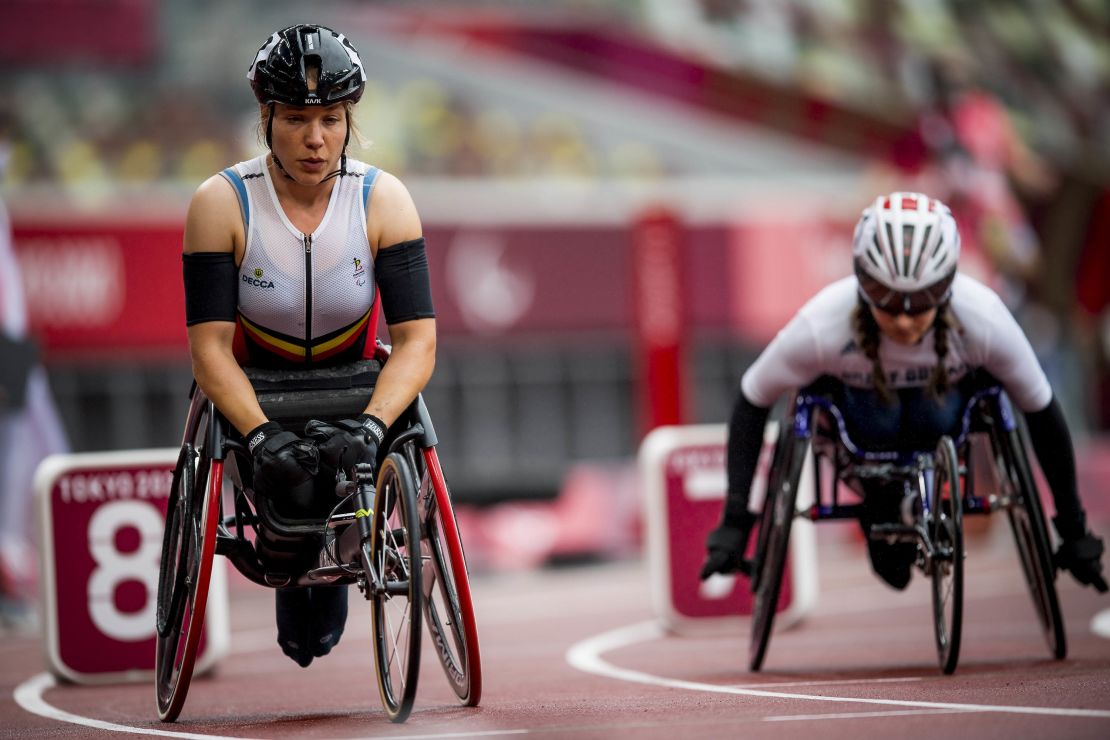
<point>1031,536</point>
<point>394,551</point>
<point>188,550</point>
<point>448,612</point>
<point>944,523</point>
<point>774,537</point>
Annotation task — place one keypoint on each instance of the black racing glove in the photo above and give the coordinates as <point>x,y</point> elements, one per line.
<point>347,442</point>
<point>726,545</point>
<point>1082,556</point>
<point>285,467</point>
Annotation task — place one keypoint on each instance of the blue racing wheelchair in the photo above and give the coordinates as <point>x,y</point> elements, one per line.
<point>392,533</point>
<point>939,487</point>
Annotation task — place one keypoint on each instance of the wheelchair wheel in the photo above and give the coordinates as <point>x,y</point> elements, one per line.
<point>448,607</point>
<point>1033,544</point>
<point>944,524</point>
<point>188,549</point>
<point>395,564</point>
<point>774,537</point>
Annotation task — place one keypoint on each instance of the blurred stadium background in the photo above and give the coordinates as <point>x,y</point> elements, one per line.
<point>542,141</point>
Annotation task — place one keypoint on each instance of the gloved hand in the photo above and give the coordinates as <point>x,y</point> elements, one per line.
<point>726,545</point>
<point>347,442</point>
<point>1083,557</point>
<point>285,467</point>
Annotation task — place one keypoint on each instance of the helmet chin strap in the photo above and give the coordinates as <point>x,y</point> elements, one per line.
<point>270,144</point>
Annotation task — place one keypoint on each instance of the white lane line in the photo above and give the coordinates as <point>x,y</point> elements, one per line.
<point>29,696</point>
<point>862,715</point>
<point>586,657</point>
<point>844,682</point>
<point>1100,624</point>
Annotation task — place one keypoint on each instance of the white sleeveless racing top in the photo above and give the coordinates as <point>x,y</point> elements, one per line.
<point>304,298</point>
<point>819,340</point>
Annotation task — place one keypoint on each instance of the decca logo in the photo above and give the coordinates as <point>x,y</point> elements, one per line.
<point>257,280</point>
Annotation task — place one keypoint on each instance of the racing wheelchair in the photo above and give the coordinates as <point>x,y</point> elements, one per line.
<point>984,469</point>
<point>392,534</point>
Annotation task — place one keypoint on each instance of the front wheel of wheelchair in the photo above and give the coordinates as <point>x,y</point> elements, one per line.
<point>393,575</point>
<point>448,606</point>
<point>1033,544</point>
<point>188,549</point>
<point>944,525</point>
<point>774,538</point>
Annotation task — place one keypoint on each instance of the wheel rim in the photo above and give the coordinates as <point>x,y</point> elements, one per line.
<point>177,649</point>
<point>172,572</point>
<point>1031,539</point>
<point>1035,578</point>
<point>442,613</point>
<point>946,532</point>
<point>448,604</point>
<point>774,539</point>
<point>396,610</point>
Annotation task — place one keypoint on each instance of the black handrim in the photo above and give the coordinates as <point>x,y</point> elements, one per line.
<point>173,667</point>
<point>396,612</point>
<point>1034,552</point>
<point>171,574</point>
<point>782,491</point>
<point>947,565</point>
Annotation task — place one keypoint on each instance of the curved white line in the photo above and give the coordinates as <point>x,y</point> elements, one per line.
<point>1100,624</point>
<point>586,657</point>
<point>29,696</point>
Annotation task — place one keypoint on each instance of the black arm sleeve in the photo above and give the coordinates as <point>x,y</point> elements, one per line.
<point>404,282</point>
<point>1048,431</point>
<point>211,288</point>
<point>745,441</point>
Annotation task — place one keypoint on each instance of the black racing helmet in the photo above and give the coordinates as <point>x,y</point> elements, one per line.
<point>278,73</point>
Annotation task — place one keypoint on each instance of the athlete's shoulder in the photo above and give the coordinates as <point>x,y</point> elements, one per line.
<point>833,303</point>
<point>248,169</point>
<point>358,168</point>
<point>972,301</point>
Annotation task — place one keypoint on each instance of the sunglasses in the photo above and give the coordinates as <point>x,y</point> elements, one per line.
<point>895,303</point>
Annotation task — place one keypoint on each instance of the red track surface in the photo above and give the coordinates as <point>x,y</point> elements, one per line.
<point>867,648</point>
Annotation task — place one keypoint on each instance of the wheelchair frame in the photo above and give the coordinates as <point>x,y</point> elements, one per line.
<point>370,546</point>
<point>941,487</point>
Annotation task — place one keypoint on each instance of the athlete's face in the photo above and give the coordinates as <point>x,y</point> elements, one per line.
<point>309,140</point>
<point>904,328</point>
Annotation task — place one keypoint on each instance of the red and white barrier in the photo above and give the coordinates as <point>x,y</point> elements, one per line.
<point>683,474</point>
<point>101,518</point>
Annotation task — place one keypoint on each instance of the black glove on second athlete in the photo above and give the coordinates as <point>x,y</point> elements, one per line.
<point>285,467</point>
<point>725,546</point>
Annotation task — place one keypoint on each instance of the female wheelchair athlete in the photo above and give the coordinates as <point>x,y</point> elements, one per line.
<point>393,535</point>
<point>939,486</point>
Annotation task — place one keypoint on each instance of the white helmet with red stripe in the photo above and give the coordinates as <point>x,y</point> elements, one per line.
<point>905,251</point>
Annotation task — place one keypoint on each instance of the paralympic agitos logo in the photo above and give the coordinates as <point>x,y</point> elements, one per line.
<point>257,280</point>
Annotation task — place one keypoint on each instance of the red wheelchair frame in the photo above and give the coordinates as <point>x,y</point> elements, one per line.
<point>371,548</point>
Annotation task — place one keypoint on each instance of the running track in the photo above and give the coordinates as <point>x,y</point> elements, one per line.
<point>576,653</point>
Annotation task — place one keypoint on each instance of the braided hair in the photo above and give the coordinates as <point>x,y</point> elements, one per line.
<point>868,336</point>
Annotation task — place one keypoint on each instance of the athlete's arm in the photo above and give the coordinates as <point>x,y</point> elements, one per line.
<point>393,223</point>
<point>214,224</point>
<point>774,371</point>
<point>1011,359</point>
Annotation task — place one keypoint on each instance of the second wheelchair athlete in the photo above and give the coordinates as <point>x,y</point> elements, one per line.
<point>899,343</point>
